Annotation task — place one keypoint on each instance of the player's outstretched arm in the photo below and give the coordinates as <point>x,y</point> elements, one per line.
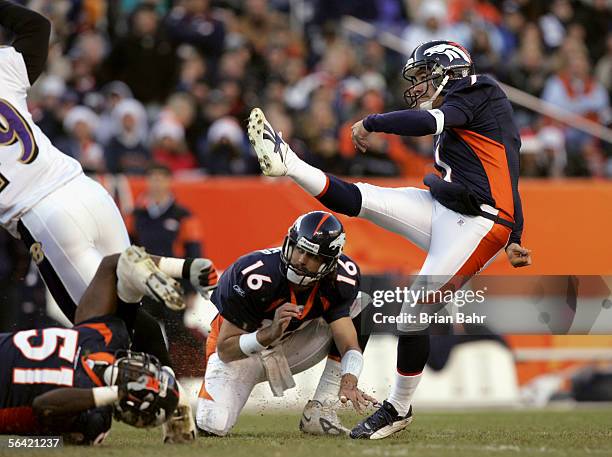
<point>64,402</point>
<point>32,32</point>
<point>69,401</point>
<point>408,122</point>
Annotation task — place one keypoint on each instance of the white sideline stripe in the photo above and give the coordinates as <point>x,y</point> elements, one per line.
<point>61,376</point>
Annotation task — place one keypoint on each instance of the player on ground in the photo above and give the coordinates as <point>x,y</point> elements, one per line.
<point>67,381</point>
<point>470,213</point>
<point>278,312</point>
<point>67,220</point>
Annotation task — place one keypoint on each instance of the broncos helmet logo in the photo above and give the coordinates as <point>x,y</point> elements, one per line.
<point>450,51</point>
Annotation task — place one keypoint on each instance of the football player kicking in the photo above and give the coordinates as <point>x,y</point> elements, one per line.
<point>67,220</point>
<point>69,381</point>
<point>279,310</point>
<point>470,212</point>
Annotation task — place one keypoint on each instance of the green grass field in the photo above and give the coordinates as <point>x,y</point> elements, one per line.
<point>516,433</point>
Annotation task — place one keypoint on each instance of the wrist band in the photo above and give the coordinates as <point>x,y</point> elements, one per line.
<point>249,344</point>
<point>106,395</point>
<point>171,266</point>
<point>186,272</point>
<point>352,363</point>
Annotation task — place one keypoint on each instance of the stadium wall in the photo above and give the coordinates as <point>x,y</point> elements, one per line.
<point>567,223</point>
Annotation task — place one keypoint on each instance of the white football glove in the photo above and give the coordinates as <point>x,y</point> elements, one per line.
<point>203,276</point>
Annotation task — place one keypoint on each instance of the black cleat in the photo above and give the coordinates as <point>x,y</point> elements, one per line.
<point>382,423</point>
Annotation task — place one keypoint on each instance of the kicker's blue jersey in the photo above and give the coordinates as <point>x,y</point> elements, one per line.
<point>33,362</point>
<point>251,289</point>
<point>483,154</point>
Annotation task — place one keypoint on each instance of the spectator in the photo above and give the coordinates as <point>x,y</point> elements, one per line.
<point>192,22</point>
<point>80,124</point>
<point>112,93</point>
<point>169,147</point>
<point>144,59</point>
<point>603,70</point>
<point>431,23</point>
<point>48,115</point>
<point>226,151</point>
<point>573,88</point>
<point>554,24</point>
<point>127,152</point>
<point>86,57</point>
<point>528,69</point>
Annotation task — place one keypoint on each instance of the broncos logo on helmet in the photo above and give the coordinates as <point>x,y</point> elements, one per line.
<point>435,62</point>
<point>319,233</point>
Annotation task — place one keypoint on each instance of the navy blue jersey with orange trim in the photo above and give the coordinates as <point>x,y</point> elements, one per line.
<point>36,361</point>
<point>251,289</point>
<point>483,154</point>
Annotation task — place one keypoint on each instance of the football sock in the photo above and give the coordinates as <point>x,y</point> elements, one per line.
<point>329,384</point>
<point>412,355</point>
<point>402,391</point>
<point>311,179</point>
<point>341,196</point>
<point>412,352</point>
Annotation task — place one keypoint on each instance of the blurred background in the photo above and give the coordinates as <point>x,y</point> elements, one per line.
<point>152,98</point>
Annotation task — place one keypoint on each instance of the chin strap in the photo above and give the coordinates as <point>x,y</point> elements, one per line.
<point>300,280</point>
<point>429,103</point>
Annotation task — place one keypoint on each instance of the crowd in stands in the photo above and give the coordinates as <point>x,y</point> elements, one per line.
<point>131,82</point>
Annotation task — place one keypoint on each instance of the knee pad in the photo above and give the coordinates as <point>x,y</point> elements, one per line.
<point>213,417</point>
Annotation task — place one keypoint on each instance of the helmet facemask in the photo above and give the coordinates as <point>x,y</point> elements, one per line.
<point>419,74</point>
<point>130,366</point>
<point>302,276</point>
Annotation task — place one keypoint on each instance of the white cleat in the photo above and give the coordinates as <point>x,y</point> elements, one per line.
<point>181,426</point>
<point>320,419</point>
<point>271,149</point>
<point>137,275</point>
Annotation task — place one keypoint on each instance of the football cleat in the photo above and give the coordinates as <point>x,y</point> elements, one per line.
<point>271,149</point>
<point>137,275</point>
<point>181,426</point>
<point>382,423</point>
<point>320,419</point>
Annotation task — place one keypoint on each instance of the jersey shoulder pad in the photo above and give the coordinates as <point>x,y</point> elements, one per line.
<point>471,90</point>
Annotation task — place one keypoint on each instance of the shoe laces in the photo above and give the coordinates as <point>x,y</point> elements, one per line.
<point>381,417</point>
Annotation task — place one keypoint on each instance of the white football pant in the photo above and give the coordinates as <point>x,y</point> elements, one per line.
<point>69,232</point>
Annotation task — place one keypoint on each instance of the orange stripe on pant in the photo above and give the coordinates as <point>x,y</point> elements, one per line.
<point>211,347</point>
<point>489,245</point>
